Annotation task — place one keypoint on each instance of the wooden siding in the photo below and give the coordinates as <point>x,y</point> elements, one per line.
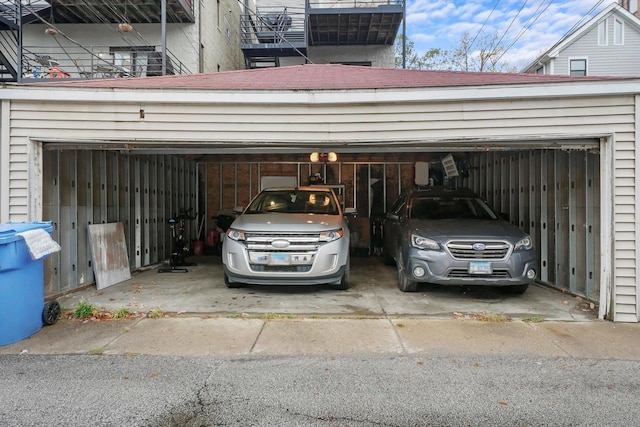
<point>609,60</point>
<point>427,125</point>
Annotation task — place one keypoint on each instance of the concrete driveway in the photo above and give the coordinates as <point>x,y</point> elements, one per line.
<point>373,293</point>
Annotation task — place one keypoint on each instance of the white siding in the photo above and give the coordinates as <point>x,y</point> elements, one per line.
<point>609,60</point>
<point>426,124</point>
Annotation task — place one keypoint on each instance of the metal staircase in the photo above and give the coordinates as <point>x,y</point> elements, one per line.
<point>14,14</point>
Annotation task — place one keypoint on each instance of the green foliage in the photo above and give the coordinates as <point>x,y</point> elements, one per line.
<point>121,313</point>
<point>433,59</point>
<point>156,313</point>
<point>84,310</point>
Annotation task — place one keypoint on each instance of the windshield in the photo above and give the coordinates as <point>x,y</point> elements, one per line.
<point>450,208</point>
<point>294,201</point>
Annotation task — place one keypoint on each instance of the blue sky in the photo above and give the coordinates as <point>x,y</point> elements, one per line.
<point>530,26</point>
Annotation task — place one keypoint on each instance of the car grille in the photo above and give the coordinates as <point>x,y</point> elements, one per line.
<point>297,242</point>
<point>302,250</point>
<point>463,250</point>
<point>495,274</point>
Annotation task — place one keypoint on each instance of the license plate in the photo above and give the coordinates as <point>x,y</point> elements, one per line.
<point>279,259</point>
<point>479,268</point>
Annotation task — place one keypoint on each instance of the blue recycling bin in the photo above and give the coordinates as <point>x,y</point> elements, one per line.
<point>21,282</point>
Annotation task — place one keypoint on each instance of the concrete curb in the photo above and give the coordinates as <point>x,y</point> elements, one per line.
<point>234,337</point>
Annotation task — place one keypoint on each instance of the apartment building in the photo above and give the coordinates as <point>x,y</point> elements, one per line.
<point>88,39</point>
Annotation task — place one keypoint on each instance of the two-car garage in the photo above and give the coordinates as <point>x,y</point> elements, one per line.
<point>557,154</point>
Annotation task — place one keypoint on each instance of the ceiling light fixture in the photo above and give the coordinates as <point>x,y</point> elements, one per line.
<point>323,157</point>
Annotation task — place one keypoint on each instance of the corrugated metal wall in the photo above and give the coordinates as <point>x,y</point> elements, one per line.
<point>81,188</point>
<point>554,195</point>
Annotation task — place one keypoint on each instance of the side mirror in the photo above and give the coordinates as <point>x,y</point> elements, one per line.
<point>393,217</point>
<point>237,210</point>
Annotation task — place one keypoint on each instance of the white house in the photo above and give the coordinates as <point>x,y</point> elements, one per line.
<point>607,45</point>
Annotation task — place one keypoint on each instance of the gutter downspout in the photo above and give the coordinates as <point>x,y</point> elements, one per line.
<point>19,64</point>
<point>200,45</point>
<point>404,34</point>
<point>164,36</point>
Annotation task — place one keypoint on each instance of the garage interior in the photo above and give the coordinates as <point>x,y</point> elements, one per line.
<point>550,190</point>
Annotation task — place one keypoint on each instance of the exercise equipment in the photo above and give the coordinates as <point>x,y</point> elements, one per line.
<point>180,245</point>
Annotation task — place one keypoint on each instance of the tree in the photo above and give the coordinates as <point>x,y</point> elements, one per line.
<point>433,59</point>
<point>484,54</point>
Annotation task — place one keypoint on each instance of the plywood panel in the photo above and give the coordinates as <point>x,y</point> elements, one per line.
<point>109,253</point>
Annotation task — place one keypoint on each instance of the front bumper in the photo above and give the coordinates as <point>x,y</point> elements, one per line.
<point>440,268</point>
<point>327,265</point>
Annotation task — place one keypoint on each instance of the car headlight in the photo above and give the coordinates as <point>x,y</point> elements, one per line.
<point>331,235</point>
<point>523,244</point>
<point>235,234</point>
<point>424,243</point>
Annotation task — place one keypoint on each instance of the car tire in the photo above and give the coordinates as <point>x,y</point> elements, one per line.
<point>517,289</point>
<point>404,283</point>
<point>231,284</point>
<point>346,277</point>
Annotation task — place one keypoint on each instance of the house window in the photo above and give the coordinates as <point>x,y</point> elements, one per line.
<point>618,32</point>
<point>603,38</point>
<point>540,70</point>
<point>577,67</point>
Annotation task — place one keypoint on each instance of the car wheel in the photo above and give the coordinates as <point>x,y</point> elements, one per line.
<point>517,289</point>
<point>346,277</point>
<point>404,283</point>
<point>231,284</point>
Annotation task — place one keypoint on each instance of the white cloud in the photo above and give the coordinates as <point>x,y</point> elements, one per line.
<point>533,30</point>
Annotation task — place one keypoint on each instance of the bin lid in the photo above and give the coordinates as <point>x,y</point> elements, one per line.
<point>9,230</point>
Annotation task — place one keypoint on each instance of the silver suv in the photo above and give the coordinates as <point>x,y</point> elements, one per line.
<point>289,236</point>
<point>452,237</point>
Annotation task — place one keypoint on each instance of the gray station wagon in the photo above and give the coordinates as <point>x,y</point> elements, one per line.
<point>452,237</point>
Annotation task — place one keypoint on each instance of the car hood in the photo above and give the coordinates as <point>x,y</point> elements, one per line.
<point>279,222</point>
<point>451,229</point>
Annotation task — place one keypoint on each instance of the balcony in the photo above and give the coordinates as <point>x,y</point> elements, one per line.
<point>71,60</point>
<point>353,22</point>
<point>135,11</point>
<point>273,32</point>
<point>96,62</point>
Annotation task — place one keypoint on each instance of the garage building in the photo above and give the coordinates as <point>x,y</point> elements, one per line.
<point>556,153</point>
